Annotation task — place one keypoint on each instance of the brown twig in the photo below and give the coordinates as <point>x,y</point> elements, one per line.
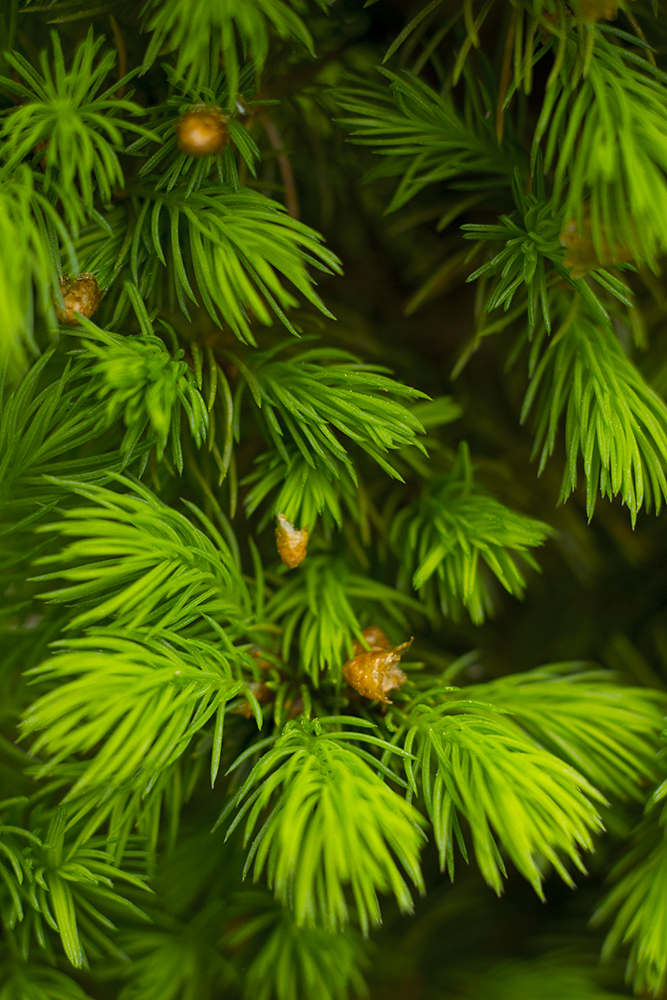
<point>505,77</point>
<point>291,196</point>
<point>122,53</point>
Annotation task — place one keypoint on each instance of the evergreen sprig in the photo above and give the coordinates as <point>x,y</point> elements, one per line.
<point>579,716</point>
<point>32,235</point>
<point>613,419</point>
<point>39,982</point>
<point>533,251</point>
<point>328,800</point>
<point>637,903</point>
<point>455,538</point>
<point>67,889</point>
<point>82,128</point>
<point>473,764</point>
<point>323,608</point>
<point>236,244</point>
<point>175,693</point>
<point>203,33</point>
<point>179,165</point>
<point>304,490</point>
<point>608,130</point>
<point>174,963</point>
<point>41,428</point>
<point>410,120</point>
<point>295,961</point>
<point>143,383</point>
<point>141,562</point>
<point>322,391</point>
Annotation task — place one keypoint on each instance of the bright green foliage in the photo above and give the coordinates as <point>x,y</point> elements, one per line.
<point>455,538</point>
<point>311,484</point>
<point>168,968</point>
<point>15,866</point>
<point>555,705</point>
<point>236,242</point>
<point>203,32</point>
<point>531,249</point>
<point>328,802</point>
<point>175,963</point>
<point>76,884</point>
<point>179,165</point>
<point>639,904</point>
<point>613,419</point>
<point>474,764</point>
<point>31,227</point>
<point>31,981</point>
<point>150,563</point>
<point>175,693</point>
<point>615,106</point>
<point>321,391</point>
<point>132,816</point>
<point>609,132</point>
<point>69,889</point>
<point>305,490</point>
<point>324,606</point>
<point>411,120</point>
<point>82,126</point>
<point>143,383</point>
<point>40,427</point>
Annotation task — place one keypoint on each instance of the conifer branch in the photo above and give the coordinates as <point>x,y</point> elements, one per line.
<point>175,693</point>
<point>295,961</point>
<point>613,419</point>
<point>411,120</point>
<point>637,903</point>
<point>234,244</point>
<point>476,766</point>
<point>328,802</point>
<point>204,33</point>
<point>81,126</point>
<point>455,539</point>
<point>141,562</point>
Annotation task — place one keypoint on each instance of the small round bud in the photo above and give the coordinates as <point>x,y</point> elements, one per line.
<point>81,297</point>
<point>202,131</point>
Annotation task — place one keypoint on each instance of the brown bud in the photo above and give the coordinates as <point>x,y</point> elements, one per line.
<point>292,543</point>
<point>375,673</point>
<point>375,638</point>
<point>81,297</point>
<point>259,657</point>
<point>202,131</point>
<point>41,147</point>
<point>262,693</point>
<point>582,256</point>
<point>592,11</point>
